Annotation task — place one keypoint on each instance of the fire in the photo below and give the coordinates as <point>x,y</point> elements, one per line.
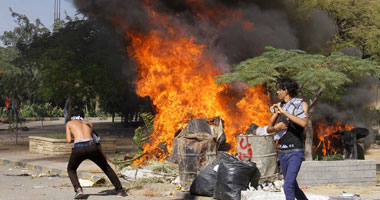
<point>174,71</point>
<point>322,131</point>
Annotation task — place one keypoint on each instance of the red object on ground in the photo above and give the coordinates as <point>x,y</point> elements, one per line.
<point>8,102</point>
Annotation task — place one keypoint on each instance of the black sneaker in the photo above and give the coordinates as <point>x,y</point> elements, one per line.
<point>121,193</point>
<point>78,194</point>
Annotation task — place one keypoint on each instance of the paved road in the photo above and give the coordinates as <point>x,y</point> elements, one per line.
<point>22,184</point>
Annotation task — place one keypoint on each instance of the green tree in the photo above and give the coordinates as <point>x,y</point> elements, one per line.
<point>25,33</point>
<point>319,76</point>
<point>358,23</point>
<point>13,83</point>
<point>18,78</point>
<point>75,62</point>
<point>11,60</point>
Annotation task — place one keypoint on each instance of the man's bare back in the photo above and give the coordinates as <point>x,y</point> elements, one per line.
<point>77,129</point>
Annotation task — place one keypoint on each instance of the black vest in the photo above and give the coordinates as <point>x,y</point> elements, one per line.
<point>293,139</point>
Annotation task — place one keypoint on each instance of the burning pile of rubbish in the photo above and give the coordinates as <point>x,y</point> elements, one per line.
<point>206,169</point>
<point>339,139</point>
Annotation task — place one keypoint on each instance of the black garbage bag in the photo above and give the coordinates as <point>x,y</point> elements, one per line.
<point>232,178</point>
<point>204,183</point>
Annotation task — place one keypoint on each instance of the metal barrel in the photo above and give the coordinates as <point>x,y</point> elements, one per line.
<point>260,149</point>
<point>195,151</point>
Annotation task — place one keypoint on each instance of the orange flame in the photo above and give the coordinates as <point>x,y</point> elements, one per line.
<point>175,73</point>
<point>322,130</point>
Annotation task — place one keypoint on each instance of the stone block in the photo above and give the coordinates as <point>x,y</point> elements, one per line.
<point>51,146</point>
<point>340,173</point>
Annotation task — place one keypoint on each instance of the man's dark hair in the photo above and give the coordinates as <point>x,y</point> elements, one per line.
<point>289,84</point>
<point>78,112</point>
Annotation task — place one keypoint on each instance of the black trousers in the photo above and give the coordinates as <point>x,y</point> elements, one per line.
<point>92,152</point>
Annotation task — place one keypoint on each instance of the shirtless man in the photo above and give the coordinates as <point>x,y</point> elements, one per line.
<point>80,133</point>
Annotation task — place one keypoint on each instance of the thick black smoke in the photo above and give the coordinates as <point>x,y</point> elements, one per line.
<point>350,109</point>
<point>273,23</point>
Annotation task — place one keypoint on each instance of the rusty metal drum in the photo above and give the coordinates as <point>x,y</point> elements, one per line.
<point>195,151</point>
<point>260,149</point>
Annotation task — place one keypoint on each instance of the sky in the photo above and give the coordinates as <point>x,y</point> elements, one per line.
<point>33,9</point>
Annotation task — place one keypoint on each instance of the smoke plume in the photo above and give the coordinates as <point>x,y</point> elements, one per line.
<point>236,29</point>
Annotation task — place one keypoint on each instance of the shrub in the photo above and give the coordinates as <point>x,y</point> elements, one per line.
<point>143,133</point>
<point>330,157</point>
<point>41,110</point>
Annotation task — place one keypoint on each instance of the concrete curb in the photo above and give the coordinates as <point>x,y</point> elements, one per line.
<point>48,170</point>
<point>350,198</point>
<point>62,118</point>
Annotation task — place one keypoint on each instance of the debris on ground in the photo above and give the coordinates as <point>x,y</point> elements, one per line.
<point>268,187</point>
<point>23,174</point>
<point>158,190</point>
<point>345,194</point>
<point>164,170</point>
<point>40,186</point>
<point>176,181</point>
<point>141,182</point>
<point>262,195</point>
<point>101,182</point>
<point>86,183</point>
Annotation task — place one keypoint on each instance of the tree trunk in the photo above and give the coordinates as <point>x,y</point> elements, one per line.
<point>113,118</point>
<point>69,111</point>
<point>309,127</point>
<point>97,104</point>
<point>309,133</point>
<point>309,141</point>
<point>17,111</point>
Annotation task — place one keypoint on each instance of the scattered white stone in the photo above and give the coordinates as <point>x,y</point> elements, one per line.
<point>86,183</point>
<point>133,174</point>
<point>40,186</point>
<point>344,194</point>
<point>177,181</point>
<point>262,195</point>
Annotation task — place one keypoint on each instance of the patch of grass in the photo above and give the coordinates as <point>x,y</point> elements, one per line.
<point>164,167</point>
<point>56,135</point>
<point>141,182</point>
<point>330,157</point>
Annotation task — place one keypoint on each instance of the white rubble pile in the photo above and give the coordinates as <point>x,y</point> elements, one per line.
<point>272,191</point>
<point>131,174</point>
<point>262,195</point>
